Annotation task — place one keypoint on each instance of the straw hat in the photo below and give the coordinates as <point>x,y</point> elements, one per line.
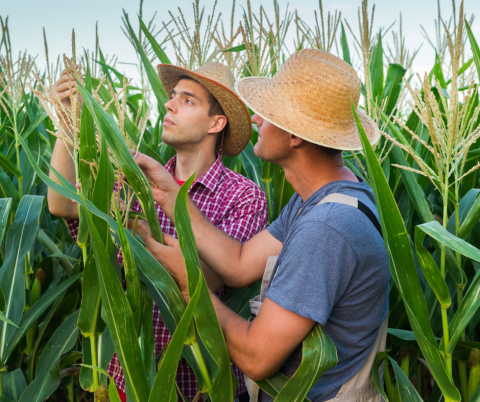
<point>310,97</point>
<point>219,80</point>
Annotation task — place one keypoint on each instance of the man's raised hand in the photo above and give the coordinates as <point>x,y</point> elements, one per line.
<point>65,87</point>
<point>164,187</point>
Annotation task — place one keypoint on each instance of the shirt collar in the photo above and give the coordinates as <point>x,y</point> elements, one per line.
<point>209,180</point>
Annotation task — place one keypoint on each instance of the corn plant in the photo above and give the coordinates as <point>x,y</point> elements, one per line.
<point>63,303</point>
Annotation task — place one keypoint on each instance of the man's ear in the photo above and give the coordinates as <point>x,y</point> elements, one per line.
<point>295,141</point>
<point>218,124</point>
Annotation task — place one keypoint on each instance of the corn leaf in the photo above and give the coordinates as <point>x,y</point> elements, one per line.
<point>430,270</point>
<point>474,46</point>
<point>152,75</point>
<point>5,205</point>
<point>205,317</point>
<point>169,300</point>
<point>112,388</point>
<point>402,267</point>
<point>109,130</point>
<point>134,291</point>
<point>87,152</point>
<point>8,190</point>
<point>8,166</point>
<point>164,386</point>
<point>14,384</point>
<point>52,248</point>
<point>253,165</point>
<point>153,43</point>
<point>406,390</point>
<point>376,70</point>
<point>318,356</point>
<point>344,44</point>
<point>393,85</point>
<point>119,318</point>
<point>20,238</point>
<point>47,379</point>
<point>420,203</point>
<point>34,313</point>
<point>130,128</point>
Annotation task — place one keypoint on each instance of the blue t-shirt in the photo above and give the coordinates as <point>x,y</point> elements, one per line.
<point>333,269</point>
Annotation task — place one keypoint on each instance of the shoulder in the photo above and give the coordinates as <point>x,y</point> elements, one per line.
<point>233,182</point>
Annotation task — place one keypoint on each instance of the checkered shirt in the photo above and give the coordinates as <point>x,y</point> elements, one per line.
<point>233,204</point>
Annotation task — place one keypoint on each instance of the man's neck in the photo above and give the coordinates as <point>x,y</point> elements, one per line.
<point>189,161</point>
<point>308,173</point>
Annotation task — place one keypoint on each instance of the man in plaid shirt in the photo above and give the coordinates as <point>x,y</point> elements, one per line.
<point>204,120</point>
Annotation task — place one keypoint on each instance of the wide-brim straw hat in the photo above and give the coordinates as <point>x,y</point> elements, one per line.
<point>219,80</point>
<point>310,96</point>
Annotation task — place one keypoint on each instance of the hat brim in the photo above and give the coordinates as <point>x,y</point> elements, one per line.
<point>239,126</point>
<point>265,99</point>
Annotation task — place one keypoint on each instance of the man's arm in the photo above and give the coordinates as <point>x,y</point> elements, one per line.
<point>61,160</point>
<point>235,263</point>
<point>260,348</point>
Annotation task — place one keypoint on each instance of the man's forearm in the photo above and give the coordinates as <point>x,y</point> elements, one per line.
<point>62,162</point>
<point>249,351</point>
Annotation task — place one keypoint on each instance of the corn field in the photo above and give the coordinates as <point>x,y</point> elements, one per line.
<point>66,307</point>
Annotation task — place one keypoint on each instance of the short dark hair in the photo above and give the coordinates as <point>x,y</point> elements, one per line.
<point>215,108</point>
<point>328,152</point>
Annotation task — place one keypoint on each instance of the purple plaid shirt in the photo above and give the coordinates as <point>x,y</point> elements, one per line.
<point>233,204</point>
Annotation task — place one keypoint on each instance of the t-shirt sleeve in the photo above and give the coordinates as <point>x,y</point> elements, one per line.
<point>248,216</point>
<point>314,271</point>
<point>278,227</point>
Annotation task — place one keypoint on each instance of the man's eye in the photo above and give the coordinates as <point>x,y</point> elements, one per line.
<point>189,101</point>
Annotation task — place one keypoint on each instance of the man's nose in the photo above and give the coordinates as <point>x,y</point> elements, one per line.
<point>170,105</point>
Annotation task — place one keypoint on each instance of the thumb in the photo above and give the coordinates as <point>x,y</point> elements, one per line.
<point>169,240</point>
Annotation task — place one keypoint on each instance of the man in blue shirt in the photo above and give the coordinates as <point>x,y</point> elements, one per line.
<point>332,266</point>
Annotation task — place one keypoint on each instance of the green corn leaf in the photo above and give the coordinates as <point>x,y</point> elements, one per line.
<point>8,166</point>
<point>52,248</point>
<point>147,341</point>
<point>3,302</point>
<point>105,68</point>
<point>112,388</point>
<point>154,44</point>
<point>33,125</point>
<point>20,238</point>
<point>70,358</point>
<point>14,384</point>
<point>153,77</point>
<point>344,43</point>
<point>8,190</point>
<point>206,319</point>
<point>235,49</point>
<point>402,267</point>
<point>319,356</point>
<point>376,71</point>
<point>393,85</point>
<point>164,386</point>
<point>439,233</point>
<point>420,203</point>
<point>474,46</point>
<point>406,390</point>
<point>430,270</point>
<point>5,205</point>
<point>130,128</point>
<point>253,165</point>
<point>110,131</point>
<point>47,379</point>
<point>470,304</point>
<point>462,69</point>
<point>119,318</point>
<point>87,152</point>
<point>134,291</point>
<point>89,320</point>
<point>170,299</point>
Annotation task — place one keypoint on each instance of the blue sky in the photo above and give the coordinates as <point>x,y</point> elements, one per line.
<point>28,17</point>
